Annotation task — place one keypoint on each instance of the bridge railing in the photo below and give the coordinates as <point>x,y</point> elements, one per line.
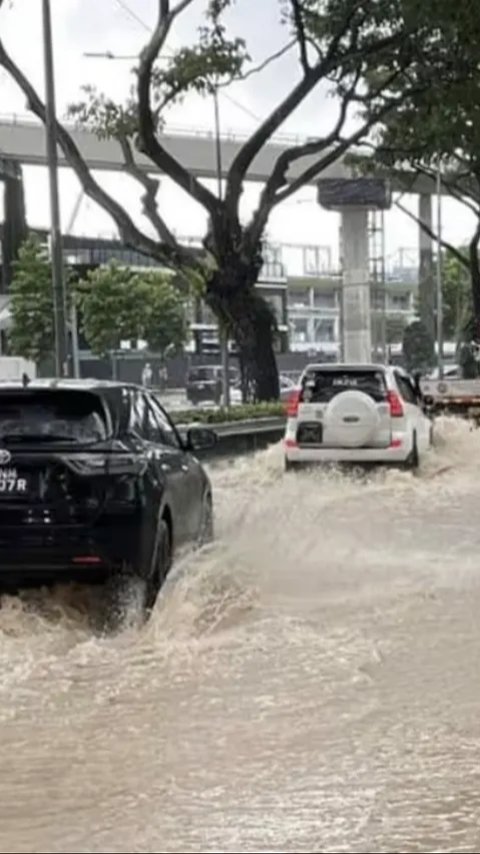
<point>172,130</point>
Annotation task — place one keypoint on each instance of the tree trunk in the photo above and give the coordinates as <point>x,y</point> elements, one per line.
<point>251,323</point>
<point>475,279</point>
<point>254,336</point>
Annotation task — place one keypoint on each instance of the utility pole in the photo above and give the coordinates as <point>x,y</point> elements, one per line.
<point>222,332</point>
<point>56,249</point>
<point>439,275</point>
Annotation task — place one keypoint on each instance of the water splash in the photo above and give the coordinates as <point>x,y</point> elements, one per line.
<point>307,683</point>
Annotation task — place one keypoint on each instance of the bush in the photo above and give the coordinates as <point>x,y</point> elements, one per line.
<point>235,413</point>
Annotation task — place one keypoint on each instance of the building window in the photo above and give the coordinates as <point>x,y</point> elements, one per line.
<point>324,331</point>
<point>399,302</point>
<point>299,330</point>
<point>299,298</point>
<point>315,260</point>
<point>324,299</point>
<point>311,266</point>
<point>272,254</point>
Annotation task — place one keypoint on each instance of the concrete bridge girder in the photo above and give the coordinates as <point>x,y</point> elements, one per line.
<point>24,142</point>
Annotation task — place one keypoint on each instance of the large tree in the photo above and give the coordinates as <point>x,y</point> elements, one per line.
<point>457,297</point>
<point>362,49</point>
<point>435,134</point>
<point>115,304</point>
<point>31,305</point>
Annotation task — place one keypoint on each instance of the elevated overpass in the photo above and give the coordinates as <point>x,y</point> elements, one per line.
<point>22,140</point>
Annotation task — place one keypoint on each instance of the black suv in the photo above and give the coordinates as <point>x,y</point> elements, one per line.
<point>96,484</point>
<point>204,383</point>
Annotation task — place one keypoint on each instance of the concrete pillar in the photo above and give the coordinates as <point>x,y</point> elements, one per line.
<point>15,224</point>
<point>426,275</point>
<point>356,322</point>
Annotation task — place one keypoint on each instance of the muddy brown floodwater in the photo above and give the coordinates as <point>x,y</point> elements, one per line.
<point>310,684</point>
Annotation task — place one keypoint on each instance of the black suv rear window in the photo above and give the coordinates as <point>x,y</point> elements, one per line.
<point>210,374</point>
<point>72,416</point>
<point>201,375</point>
<point>321,386</point>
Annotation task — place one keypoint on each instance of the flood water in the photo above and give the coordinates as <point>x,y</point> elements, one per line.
<point>309,684</point>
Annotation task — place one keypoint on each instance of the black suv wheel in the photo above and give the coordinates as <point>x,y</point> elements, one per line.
<point>130,597</point>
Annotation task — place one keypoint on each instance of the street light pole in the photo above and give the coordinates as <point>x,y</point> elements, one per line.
<point>439,275</point>
<point>58,280</point>
<point>223,333</point>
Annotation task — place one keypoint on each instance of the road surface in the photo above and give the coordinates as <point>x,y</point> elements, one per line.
<point>310,684</point>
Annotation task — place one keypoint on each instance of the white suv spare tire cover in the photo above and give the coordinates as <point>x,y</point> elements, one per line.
<point>351,419</point>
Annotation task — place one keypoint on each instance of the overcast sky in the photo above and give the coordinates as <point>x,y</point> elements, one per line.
<point>82,26</point>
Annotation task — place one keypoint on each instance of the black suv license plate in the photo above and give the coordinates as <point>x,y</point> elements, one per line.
<point>13,483</point>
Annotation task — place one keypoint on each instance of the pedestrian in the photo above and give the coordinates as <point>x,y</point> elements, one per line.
<point>147,375</point>
<point>163,377</point>
<point>218,390</point>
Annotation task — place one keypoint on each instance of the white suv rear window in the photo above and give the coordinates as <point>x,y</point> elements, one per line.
<point>320,386</point>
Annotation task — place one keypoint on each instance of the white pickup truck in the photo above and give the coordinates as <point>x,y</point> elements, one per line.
<point>453,397</point>
<point>14,368</point>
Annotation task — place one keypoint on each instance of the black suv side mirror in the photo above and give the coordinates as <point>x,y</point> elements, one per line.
<point>200,439</point>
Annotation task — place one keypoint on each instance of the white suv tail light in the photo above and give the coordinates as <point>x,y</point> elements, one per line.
<point>293,402</point>
<point>395,403</point>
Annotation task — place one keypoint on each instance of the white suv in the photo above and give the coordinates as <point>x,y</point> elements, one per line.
<point>356,414</point>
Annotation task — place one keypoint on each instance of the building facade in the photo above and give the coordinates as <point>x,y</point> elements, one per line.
<point>303,286</point>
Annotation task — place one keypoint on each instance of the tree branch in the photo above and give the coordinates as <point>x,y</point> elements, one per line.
<point>278,177</point>
<point>149,199</point>
<point>147,139</point>
<point>458,184</point>
<point>180,7</point>
<point>429,231</point>
<point>462,194</point>
<point>301,36</point>
<point>309,174</point>
<point>271,124</point>
<point>127,229</point>
<point>261,66</point>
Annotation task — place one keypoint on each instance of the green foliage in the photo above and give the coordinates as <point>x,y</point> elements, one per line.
<point>104,116</point>
<point>457,298</point>
<point>115,305</point>
<point>215,60</point>
<point>387,48</point>
<point>165,325</point>
<point>437,123</point>
<point>468,363</point>
<point>119,305</point>
<point>111,308</point>
<point>235,413</point>
<point>31,306</point>
<point>418,348</point>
